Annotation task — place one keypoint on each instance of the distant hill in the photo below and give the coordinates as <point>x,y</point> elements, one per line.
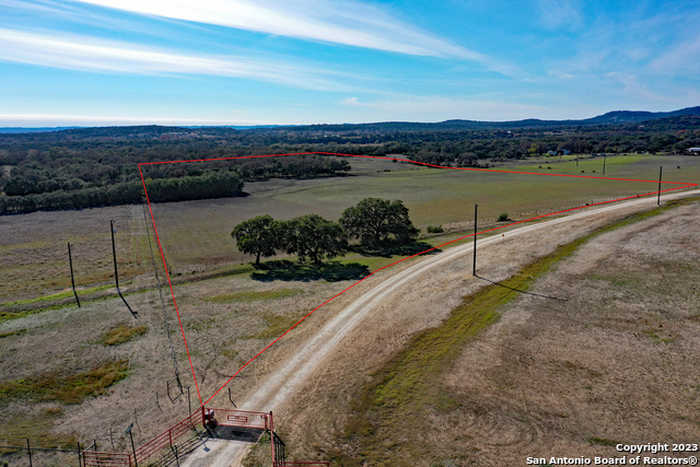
<point>617,117</point>
<point>629,116</point>
<point>19,129</point>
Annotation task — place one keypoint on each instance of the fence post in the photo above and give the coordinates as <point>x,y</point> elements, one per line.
<point>133,448</point>
<point>80,457</point>
<point>272,440</point>
<point>29,453</point>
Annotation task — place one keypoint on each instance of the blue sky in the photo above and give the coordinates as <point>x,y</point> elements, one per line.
<point>102,62</point>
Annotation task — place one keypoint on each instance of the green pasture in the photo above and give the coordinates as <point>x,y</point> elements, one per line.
<point>638,166</point>
<point>198,232</point>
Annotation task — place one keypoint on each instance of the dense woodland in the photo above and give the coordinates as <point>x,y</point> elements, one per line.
<point>80,168</point>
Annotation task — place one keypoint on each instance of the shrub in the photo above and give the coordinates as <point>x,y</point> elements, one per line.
<point>503,217</point>
<point>435,229</point>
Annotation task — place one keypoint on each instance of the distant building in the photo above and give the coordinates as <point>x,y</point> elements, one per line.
<point>694,150</point>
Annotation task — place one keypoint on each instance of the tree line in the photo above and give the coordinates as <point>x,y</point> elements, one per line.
<point>76,186</point>
<point>65,169</point>
<point>210,185</point>
<point>374,222</point>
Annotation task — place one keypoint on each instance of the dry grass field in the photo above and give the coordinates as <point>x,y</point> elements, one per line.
<point>34,256</point>
<point>81,374</point>
<point>603,354</point>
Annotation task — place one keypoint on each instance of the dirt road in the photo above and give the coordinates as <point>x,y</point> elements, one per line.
<point>292,375</point>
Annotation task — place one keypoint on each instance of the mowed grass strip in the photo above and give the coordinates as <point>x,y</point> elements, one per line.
<point>67,389</point>
<point>405,388</point>
<point>121,334</point>
<point>255,295</point>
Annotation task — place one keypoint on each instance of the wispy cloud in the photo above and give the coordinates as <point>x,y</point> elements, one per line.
<point>631,85</point>
<point>561,74</point>
<point>682,58</point>
<point>564,14</point>
<point>428,108</point>
<point>346,22</point>
<point>32,120</point>
<point>86,53</point>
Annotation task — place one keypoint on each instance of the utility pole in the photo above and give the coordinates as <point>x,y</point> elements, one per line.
<point>116,272</point>
<point>29,453</point>
<point>604,157</point>
<point>658,196</point>
<point>72,278</point>
<point>476,211</point>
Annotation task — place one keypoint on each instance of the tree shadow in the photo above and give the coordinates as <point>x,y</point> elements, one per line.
<point>389,249</point>
<point>285,270</point>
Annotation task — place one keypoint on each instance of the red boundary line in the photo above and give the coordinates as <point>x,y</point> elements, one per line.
<point>682,185</point>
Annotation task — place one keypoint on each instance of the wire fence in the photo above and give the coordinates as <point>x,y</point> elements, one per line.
<point>30,454</point>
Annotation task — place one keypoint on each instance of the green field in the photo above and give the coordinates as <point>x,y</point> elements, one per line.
<point>196,234</point>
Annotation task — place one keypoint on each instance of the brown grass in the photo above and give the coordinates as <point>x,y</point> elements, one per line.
<point>70,389</point>
<point>122,333</point>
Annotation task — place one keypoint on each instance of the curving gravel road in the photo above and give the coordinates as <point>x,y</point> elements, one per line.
<point>298,368</point>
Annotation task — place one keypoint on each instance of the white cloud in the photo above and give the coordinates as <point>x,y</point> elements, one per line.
<point>44,119</point>
<point>560,74</point>
<point>432,108</point>
<point>563,14</point>
<point>86,53</point>
<point>351,101</point>
<point>631,86</point>
<point>347,22</point>
<point>684,57</point>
